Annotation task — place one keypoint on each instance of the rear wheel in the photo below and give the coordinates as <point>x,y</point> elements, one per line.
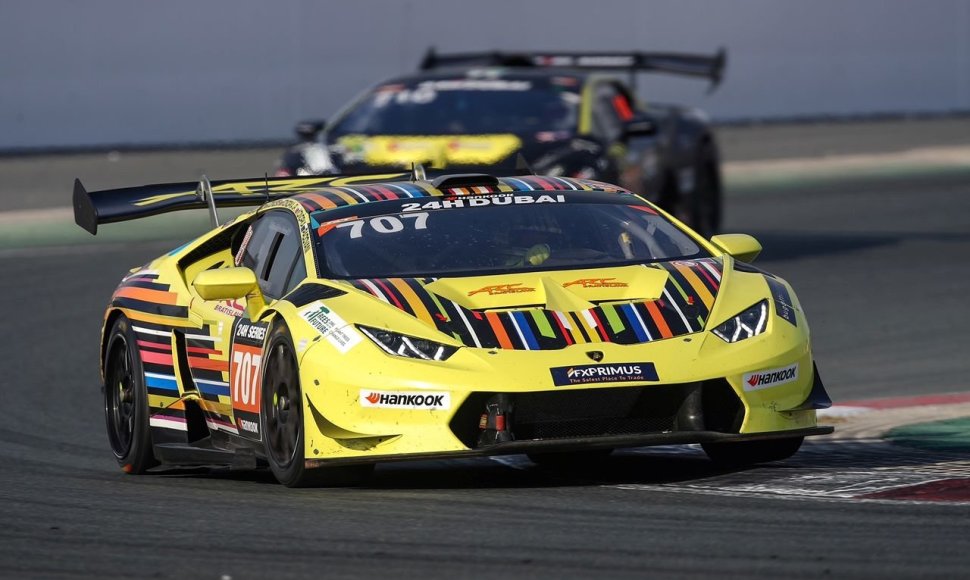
<point>703,205</point>
<point>569,459</point>
<point>743,453</point>
<point>282,422</point>
<point>126,401</point>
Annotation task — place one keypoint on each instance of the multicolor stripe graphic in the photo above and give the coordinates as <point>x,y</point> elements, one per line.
<point>333,197</point>
<point>682,308</point>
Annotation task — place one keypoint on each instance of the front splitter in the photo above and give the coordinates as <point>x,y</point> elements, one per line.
<point>579,443</point>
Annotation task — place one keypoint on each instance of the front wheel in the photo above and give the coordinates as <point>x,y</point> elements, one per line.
<point>744,453</point>
<point>126,401</point>
<point>282,422</point>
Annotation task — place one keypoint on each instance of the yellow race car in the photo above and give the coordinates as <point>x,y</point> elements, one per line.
<point>349,321</point>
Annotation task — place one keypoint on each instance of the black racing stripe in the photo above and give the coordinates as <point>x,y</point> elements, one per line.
<point>206,374</point>
<point>670,315</point>
<point>505,320</point>
<point>424,295</point>
<point>648,322</point>
<point>387,287</point>
<point>578,326</point>
<point>308,293</point>
<point>147,284</point>
<point>456,326</point>
<point>151,326</point>
<point>196,343</point>
<point>555,342</point>
<point>625,336</point>
<point>481,326</point>
<point>151,307</point>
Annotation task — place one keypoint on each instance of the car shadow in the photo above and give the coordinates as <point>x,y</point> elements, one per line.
<point>666,466</point>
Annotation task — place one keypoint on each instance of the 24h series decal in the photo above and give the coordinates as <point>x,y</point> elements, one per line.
<point>245,375</point>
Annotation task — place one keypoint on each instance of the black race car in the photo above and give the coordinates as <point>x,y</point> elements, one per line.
<point>566,113</point>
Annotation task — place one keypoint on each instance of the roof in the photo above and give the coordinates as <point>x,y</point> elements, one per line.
<point>334,197</point>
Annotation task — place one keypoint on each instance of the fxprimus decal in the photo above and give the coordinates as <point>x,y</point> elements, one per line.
<point>334,328</point>
<point>611,373</point>
<point>770,378</point>
<point>430,401</point>
<point>245,375</point>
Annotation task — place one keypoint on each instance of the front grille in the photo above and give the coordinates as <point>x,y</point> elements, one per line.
<point>591,412</point>
<point>600,412</point>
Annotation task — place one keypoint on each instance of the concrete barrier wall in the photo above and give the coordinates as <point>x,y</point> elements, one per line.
<point>103,72</point>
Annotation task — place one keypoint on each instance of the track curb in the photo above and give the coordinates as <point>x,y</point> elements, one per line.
<point>878,418</point>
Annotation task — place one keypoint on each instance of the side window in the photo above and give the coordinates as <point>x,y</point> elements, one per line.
<point>611,108</point>
<point>275,254</point>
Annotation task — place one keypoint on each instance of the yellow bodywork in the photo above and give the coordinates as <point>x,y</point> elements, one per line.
<point>333,378</point>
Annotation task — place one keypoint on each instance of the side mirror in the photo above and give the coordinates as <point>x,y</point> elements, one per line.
<point>231,284</point>
<point>308,130</point>
<point>225,283</point>
<point>742,246</point>
<point>639,126</point>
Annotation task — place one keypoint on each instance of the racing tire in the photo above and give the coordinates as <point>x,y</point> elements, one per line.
<point>126,401</point>
<point>569,459</point>
<point>704,203</point>
<point>744,453</point>
<point>281,422</point>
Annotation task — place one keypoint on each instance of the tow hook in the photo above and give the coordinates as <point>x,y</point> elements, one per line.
<point>496,422</point>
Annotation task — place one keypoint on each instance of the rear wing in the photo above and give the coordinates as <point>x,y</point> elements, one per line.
<point>92,208</point>
<point>710,67</point>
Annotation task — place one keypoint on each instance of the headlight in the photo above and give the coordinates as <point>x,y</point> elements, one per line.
<point>407,346</point>
<point>751,322</point>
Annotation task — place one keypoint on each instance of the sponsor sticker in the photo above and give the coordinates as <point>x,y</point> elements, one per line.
<point>245,375</point>
<point>334,328</point>
<point>596,283</point>
<point>484,200</point>
<point>770,378</point>
<point>428,401</point>
<point>502,289</point>
<point>604,373</point>
<point>782,299</point>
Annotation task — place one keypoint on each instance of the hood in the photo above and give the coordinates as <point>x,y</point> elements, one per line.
<point>552,310</point>
<point>446,151</point>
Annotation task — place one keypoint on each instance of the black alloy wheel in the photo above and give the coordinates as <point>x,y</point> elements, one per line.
<point>282,421</point>
<point>126,401</point>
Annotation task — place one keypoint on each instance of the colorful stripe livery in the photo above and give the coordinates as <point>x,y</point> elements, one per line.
<point>333,197</point>
<point>683,308</point>
<point>159,324</point>
<point>142,297</point>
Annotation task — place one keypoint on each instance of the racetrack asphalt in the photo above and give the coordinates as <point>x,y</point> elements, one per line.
<point>882,273</point>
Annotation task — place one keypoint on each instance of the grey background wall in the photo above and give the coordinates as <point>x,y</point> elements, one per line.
<point>104,72</point>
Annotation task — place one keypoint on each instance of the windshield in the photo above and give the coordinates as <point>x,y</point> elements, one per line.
<point>465,106</point>
<point>497,234</point>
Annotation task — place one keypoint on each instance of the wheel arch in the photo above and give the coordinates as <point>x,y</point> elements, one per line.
<point>110,318</point>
